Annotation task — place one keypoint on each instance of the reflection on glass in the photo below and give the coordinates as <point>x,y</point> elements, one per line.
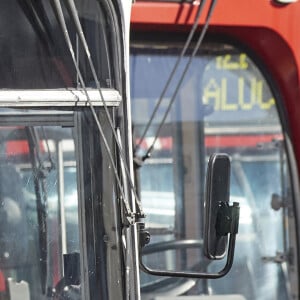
<point>39,234</point>
<point>224,104</point>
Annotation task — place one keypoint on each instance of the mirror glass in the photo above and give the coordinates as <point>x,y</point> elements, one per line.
<point>217,191</point>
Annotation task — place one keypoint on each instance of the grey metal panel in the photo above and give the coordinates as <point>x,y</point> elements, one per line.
<point>99,217</point>
<point>18,290</point>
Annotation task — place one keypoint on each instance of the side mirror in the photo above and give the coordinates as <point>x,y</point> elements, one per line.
<point>221,222</point>
<point>220,218</point>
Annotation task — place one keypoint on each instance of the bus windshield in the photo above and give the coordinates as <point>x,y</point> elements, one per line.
<point>224,104</point>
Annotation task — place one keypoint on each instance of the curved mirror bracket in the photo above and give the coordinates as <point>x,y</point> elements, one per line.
<point>221,220</point>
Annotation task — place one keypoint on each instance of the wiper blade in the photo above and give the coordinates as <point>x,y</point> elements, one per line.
<point>39,178</point>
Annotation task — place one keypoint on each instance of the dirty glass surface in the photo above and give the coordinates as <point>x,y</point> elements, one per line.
<point>39,233</point>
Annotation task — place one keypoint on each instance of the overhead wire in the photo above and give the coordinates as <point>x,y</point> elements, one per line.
<point>83,41</point>
<point>195,50</point>
<point>77,23</point>
<point>80,33</point>
<point>62,22</point>
<point>173,72</point>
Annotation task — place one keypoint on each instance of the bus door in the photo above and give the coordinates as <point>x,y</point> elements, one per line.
<point>62,79</point>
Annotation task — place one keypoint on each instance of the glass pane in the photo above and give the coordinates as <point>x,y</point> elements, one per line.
<point>39,210</point>
<point>33,50</point>
<point>224,104</point>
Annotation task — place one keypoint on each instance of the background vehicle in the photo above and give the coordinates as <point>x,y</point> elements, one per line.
<point>231,95</point>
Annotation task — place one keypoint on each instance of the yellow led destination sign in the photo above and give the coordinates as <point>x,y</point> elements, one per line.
<point>233,83</point>
<point>216,94</point>
<point>227,62</point>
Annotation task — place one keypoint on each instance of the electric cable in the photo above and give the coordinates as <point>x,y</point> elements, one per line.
<point>173,72</point>
<point>80,33</point>
<point>198,44</point>
<point>62,22</point>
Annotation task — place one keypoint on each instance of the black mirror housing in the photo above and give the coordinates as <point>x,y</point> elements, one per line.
<point>220,227</point>
<point>220,218</point>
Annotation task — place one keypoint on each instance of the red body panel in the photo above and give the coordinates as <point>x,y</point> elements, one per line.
<point>271,32</point>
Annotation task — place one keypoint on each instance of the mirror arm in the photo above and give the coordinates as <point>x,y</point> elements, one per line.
<point>145,238</point>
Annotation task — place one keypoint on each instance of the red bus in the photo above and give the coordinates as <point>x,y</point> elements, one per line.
<point>207,77</point>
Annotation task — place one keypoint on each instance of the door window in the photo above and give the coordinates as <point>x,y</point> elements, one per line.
<point>39,207</point>
<point>53,216</point>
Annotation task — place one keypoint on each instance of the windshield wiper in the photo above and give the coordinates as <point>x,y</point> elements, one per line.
<point>39,178</point>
